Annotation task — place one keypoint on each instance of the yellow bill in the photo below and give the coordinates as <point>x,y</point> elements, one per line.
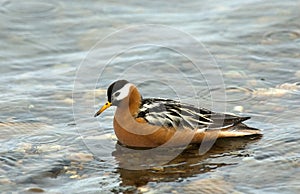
<point>103,108</point>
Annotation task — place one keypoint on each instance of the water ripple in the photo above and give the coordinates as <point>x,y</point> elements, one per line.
<point>233,94</point>
<point>28,9</point>
<point>281,36</point>
<point>281,137</point>
<point>10,129</point>
<point>238,94</point>
<point>42,138</point>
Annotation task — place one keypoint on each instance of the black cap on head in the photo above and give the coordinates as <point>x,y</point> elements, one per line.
<point>114,87</point>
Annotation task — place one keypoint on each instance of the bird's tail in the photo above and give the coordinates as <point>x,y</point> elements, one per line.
<point>239,131</point>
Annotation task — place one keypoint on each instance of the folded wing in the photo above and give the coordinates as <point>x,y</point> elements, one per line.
<point>170,113</point>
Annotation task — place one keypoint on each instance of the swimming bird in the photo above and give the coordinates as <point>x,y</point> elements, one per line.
<point>151,122</point>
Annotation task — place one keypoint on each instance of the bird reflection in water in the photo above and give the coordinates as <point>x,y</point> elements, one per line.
<point>138,167</point>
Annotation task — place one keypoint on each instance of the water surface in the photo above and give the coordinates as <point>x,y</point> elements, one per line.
<point>47,130</point>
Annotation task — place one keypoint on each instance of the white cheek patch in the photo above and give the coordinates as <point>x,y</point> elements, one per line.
<point>124,92</point>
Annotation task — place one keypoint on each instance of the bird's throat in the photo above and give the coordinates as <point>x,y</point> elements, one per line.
<point>131,104</point>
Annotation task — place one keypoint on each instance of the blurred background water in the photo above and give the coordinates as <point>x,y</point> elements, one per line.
<point>44,45</point>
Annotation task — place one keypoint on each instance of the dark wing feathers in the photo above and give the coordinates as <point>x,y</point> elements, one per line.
<point>170,113</point>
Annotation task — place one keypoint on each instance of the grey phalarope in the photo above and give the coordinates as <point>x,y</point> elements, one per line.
<point>152,122</point>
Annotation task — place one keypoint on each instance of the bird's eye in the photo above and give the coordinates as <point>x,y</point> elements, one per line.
<point>117,94</point>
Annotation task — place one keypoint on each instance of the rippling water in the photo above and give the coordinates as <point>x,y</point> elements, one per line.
<point>54,72</point>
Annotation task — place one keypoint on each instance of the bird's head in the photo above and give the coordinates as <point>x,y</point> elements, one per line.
<point>116,93</point>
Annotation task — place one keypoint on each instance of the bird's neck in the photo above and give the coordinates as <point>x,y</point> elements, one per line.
<point>132,103</point>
